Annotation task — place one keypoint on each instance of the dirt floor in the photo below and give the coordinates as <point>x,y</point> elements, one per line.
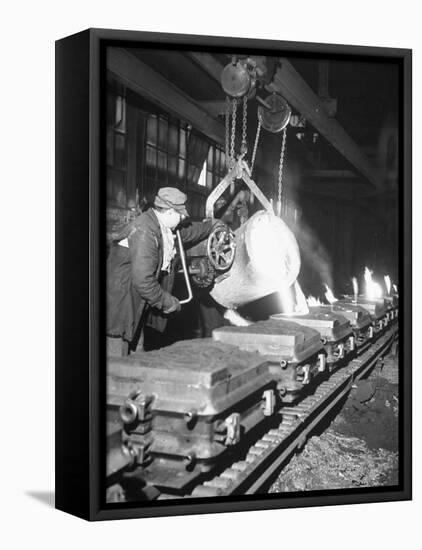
<point>359,448</point>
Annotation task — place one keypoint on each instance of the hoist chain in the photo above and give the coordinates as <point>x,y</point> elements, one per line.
<point>227,122</point>
<point>280,171</point>
<point>233,134</point>
<point>255,147</point>
<point>244,146</point>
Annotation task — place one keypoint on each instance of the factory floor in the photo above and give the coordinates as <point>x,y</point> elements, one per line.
<point>356,448</point>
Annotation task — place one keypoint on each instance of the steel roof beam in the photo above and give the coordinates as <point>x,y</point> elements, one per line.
<point>288,82</point>
<point>139,77</point>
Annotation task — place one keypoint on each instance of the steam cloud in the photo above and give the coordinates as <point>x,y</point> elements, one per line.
<point>314,253</point>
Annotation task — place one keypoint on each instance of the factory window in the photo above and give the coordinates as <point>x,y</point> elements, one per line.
<point>165,152</point>
<point>197,153</point>
<point>177,155</point>
<point>216,166</point>
<point>116,149</point>
<point>202,181</point>
<point>116,132</point>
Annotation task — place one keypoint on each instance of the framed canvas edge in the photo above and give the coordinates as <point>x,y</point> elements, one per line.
<point>223,42</point>
<point>72,376</point>
<point>96,511</point>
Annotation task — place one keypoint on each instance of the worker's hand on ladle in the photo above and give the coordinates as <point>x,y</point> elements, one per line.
<point>173,305</point>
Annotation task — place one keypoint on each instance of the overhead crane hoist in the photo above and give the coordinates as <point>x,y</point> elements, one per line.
<point>239,81</point>
<point>262,253</point>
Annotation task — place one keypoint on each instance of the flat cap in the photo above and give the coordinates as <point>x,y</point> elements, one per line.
<point>171,197</point>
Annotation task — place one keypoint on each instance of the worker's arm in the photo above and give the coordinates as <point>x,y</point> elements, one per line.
<point>197,231</point>
<point>143,247</point>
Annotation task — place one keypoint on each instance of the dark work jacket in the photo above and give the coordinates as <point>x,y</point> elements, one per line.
<point>134,274</point>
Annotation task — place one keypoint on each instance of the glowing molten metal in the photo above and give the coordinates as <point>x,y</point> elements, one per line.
<point>301,307</point>
<point>235,318</point>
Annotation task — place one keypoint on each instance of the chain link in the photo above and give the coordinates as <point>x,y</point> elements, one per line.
<point>255,147</point>
<point>280,171</point>
<point>244,146</point>
<point>227,121</point>
<point>233,134</point>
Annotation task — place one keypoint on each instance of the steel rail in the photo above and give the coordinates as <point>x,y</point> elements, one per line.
<point>269,453</point>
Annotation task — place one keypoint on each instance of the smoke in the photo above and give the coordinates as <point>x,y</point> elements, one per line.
<point>316,269</point>
<point>314,255</point>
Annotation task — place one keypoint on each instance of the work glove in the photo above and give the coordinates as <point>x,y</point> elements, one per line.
<point>172,305</point>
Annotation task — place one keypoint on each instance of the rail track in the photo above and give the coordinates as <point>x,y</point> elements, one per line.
<point>266,457</point>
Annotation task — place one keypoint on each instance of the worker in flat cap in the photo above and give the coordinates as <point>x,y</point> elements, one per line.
<point>140,270</point>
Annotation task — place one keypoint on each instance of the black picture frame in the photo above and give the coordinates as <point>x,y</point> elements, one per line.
<point>80,260</point>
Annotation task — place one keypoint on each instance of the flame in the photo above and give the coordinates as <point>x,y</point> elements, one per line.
<point>235,318</point>
<point>387,281</point>
<point>373,289</point>
<point>395,288</point>
<point>355,288</point>
<point>313,302</point>
<point>329,295</point>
